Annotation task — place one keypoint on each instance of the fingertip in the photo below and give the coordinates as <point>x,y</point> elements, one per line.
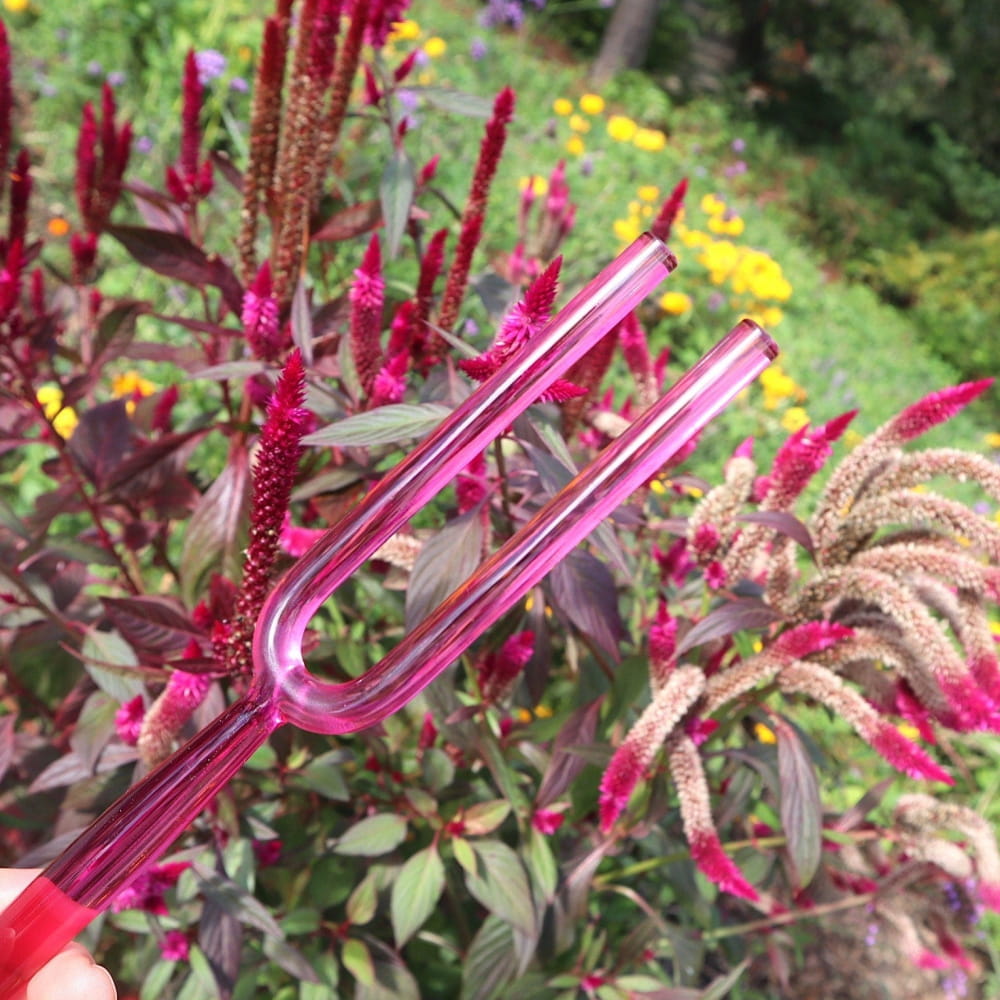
<point>72,975</point>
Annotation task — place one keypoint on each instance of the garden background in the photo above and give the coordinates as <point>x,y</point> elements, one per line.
<point>842,189</point>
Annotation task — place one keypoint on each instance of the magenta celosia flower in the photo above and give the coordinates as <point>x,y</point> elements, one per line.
<point>175,946</point>
<point>676,563</point>
<point>904,755</point>
<point>190,180</point>
<point>428,732</point>
<point>260,316</point>
<point>499,669</point>
<point>381,17</point>
<point>989,895</point>
<point>547,821</point>
<point>800,458</point>
<point>295,540</point>
<point>933,409</point>
<point>390,382</point>
<point>147,891</point>
<point>664,222</point>
<point>366,296</point>
<point>708,854</point>
<point>267,852</point>
<point>128,720</point>
<point>471,485</point>
<point>809,637</point>
<point>99,174</point>
<point>715,575</point>
<point>662,644</point>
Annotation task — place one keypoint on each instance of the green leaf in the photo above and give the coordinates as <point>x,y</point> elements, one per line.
<point>464,854</point>
<point>722,986</point>
<point>485,817</point>
<point>438,769</point>
<point>542,865</point>
<point>154,985</point>
<point>216,533</point>
<point>457,102</point>
<point>396,196</point>
<point>491,961</point>
<point>384,425</point>
<point>801,807</point>
<point>392,979</point>
<point>323,775</point>
<point>357,960</point>
<point>415,893</point>
<point>501,885</point>
<point>362,902</point>
<point>111,663</point>
<point>373,836</point>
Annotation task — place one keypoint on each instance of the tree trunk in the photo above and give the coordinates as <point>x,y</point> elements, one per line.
<point>626,39</point>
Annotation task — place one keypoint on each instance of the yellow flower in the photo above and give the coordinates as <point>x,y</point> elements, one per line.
<point>694,238</point>
<point>543,712</point>
<point>764,733</point>
<point>131,383</point>
<point>621,129</point>
<point>562,106</point>
<point>523,715</point>
<point>58,226</point>
<point>591,104</point>
<point>16,7</point>
<point>675,303</point>
<point>992,440</point>
<point>404,31</point>
<point>64,418</point>
<point>627,230</point>
<point>732,225</point>
<point>657,487</point>
<point>575,146</point>
<point>771,317</point>
<point>853,438</point>
<point>712,204</point>
<point>650,139</point>
<point>794,418</point>
<point>539,185</point>
<point>909,730</point>
<point>578,123</point>
<point>649,192</point>
<point>435,47</point>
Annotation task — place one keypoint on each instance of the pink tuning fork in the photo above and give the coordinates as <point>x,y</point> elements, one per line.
<point>137,829</point>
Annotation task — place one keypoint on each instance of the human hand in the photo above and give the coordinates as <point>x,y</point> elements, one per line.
<point>72,974</point>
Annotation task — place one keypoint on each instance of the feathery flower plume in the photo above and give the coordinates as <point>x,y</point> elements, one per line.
<point>707,852</point>
<point>277,460</point>
<point>662,646</point>
<point>384,14</point>
<point>170,712</point>
<point>190,180</point>
<point>630,761</point>
<point>935,408</point>
<point>475,207</point>
<point>366,298</point>
<point>520,324</point>
<point>635,349</point>
<point>260,317</point>
<point>390,382</point>
<point>664,222</point>
<point>99,174</point>
<point>501,668</point>
<point>265,127</point>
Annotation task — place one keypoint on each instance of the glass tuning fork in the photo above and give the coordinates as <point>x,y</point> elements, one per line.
<point>138,828</point>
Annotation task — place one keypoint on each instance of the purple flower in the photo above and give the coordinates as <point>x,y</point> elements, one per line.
<point>477,48</point>
<point>738,145</point>
<point>94,68</point>
<point>116,78</point>
<point>144,144</point>
<point>211,64</point>
<point>239,85</point>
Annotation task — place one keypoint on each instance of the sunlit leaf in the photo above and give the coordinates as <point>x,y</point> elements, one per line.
<point>801,807</point>
<point>383,425</point>
<point>374,835</point>
<point>415,893</point>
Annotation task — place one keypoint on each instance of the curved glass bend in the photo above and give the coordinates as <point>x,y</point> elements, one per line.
<point>620,469</point>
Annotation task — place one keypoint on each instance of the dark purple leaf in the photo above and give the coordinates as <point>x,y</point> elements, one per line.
<point>215,535</point>
<point>445,561</point>
<point>731,617</point>
<point>154,624</point>
<point>94,728</point>
<point>158,210</point>
<point>300,320</point>
<point>858,813</point>
<point>115,331</point>
<point>350,222</point>
<point>67,770</point>
<point>6,743</point>
<point>220,935</point>
<point>175,256</point>
<point>564,765</point>
<point>801,808</point>
<point>144,459</point>
<point>784,524</point>
<point>584,590</point>
<point>232,173</point>
<point>103,435</point>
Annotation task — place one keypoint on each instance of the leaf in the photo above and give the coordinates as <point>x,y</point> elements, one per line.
<point>501,885</point>
<point>374,835</point>
<point>721,986</point>
<point>585,591</point>
<point>784,524</point>
<point>236,901</point>
<point>464,854</point>
<point>151,623</point>
<point>116,331</point>
<point>231,369</point>
<point>543,866</point>
<point>733,616</point>
<point>444,562</point>
<point>362,902</point>
<point>801,808</point>
<point>221,938</point>
<point>289,958</point>
<point>154,985</point>
<point>351,222</point>
<point>175,256</point>
<point>324,775</point>
<point>215,535</point>
<point>485,817</point>
<point>491,961</point>
<point>300,320</point>
<point>384,425</point>
<point>6,743</point>
<point>94,728</point>
<point>102,437</point>
<point>111,663</point>
<point>357,960</point>
<point>329,481</point>
<point>145,460</point>
<point>392,979</point>
<point>415,893</point>
<point>457,102</point>
<point>396,196</point>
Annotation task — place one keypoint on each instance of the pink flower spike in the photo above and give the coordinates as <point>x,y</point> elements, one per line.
<point>175,946</point>
<point>664,222</point>
<point>128,720</point>
<point>744,449</point>
<point>904,755</point>
<point>190,116</point>
<point>627,767</point>
<point>662,643</point>
<point>934,409</point>
<point>810,637</point>
<point>390,383</point>
<point>930,960</point>
<point>260,317</point>
<point>989,895</point>
<point>366,298</point>
<point>718,867</point>
<point>297,541</point>
<point>547,821</point>
<point>500,669</point>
